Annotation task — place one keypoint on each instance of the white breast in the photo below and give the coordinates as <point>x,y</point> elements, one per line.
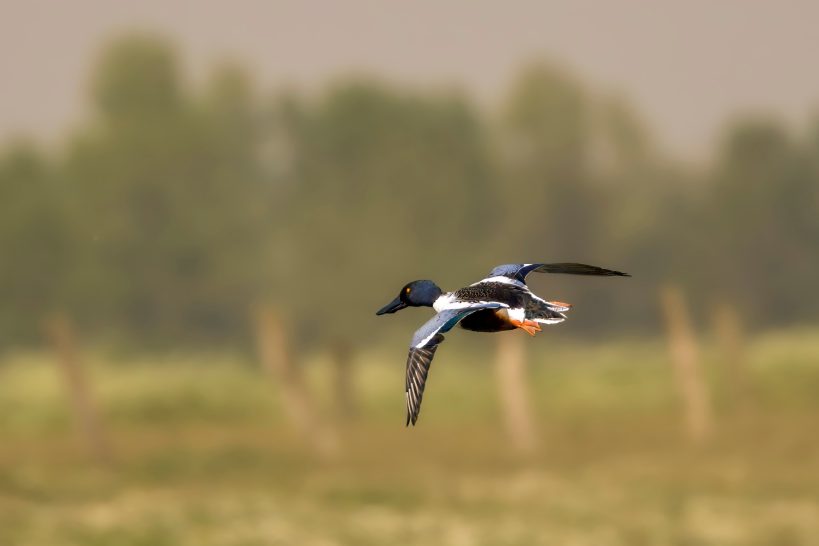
<point>443,302</point>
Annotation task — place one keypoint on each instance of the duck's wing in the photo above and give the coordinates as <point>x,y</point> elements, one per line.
<point>422,349</point>
<point>518,272</point>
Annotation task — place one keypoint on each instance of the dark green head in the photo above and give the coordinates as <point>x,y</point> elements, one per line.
<point>415,294</point>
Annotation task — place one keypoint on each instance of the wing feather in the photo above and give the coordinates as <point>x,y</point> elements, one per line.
<point>418,362</point>
<point>422,349</point>
<point>518,272</point>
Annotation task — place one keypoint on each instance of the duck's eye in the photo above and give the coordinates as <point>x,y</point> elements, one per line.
<point>407,290</point>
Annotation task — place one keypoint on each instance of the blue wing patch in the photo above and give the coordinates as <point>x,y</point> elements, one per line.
<point>445,321</point>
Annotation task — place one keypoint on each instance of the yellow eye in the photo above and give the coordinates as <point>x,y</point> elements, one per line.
<point>407,290</point>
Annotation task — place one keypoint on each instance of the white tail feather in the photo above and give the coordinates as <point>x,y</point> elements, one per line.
<point>550,320</point>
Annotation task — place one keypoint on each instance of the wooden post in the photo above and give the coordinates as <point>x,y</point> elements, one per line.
<point>686,363</point>
<point>728,330</point>
<point>298,405</point>
<point>343,368</point>
<point>510,368</point>
<point>86,415</point>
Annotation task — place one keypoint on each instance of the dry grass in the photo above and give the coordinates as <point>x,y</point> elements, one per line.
<point>203,456</point>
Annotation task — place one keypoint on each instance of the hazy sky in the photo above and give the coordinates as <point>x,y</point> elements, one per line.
<point>688,65</point>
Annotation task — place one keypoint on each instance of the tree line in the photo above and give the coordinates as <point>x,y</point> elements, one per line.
<point>174,208</point>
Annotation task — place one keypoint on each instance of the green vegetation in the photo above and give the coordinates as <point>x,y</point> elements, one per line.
<point>204,456</point>
<point>174,208</point>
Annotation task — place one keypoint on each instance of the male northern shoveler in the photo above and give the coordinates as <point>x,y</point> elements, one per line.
<point>502,301</point>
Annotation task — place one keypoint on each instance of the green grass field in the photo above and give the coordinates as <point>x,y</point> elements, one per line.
<point>204,456</point>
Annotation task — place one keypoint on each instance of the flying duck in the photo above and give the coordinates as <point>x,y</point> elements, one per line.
<point>501,301</point>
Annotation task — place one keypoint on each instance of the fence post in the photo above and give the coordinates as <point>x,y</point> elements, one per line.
<point>510,369</point>
<point>728,329</point>
<point>686,362</point>
<point>86,415</point>
<point>342,360</point>
<point>299,407</point>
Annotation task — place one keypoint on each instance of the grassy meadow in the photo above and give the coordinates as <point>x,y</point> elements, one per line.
<point>203,454</point>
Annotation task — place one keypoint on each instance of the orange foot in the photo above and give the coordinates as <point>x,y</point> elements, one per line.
<point>529,326</point>
<point>560,303</point>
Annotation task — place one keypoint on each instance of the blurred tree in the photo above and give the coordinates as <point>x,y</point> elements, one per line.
<point>170,198</point>
<point>623,144</point>
<point>387,187</point>
<point>764,215</point>
<point>652,212</point>
<point>555,202</point>
<point>137,77</point>
<point>34,242</point>
<point>174,211</point>
<point>546,131</point>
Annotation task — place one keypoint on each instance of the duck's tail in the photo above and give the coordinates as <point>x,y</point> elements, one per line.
<point>559,306</point>
<point>549,312</point>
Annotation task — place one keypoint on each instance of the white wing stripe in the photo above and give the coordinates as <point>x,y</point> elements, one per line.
<point>425,340</point>
<point>500,279</point>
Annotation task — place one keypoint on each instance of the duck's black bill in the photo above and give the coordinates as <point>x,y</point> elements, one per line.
<point>392,307</point>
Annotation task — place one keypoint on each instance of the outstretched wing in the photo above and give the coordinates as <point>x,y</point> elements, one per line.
<point>518,272</point>
<point>418,362</point>
<point>424,344</point>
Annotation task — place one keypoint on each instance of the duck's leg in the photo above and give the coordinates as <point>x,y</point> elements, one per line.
<point>529,326</point>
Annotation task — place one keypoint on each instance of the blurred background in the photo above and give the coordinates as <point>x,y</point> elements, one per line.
<point>203,204</point>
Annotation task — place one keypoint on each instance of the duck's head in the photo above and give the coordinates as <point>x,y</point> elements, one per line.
<point>415,294</point>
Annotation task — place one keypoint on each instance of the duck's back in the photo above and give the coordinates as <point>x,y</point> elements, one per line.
<point>509,294</point>
<point>492,320</point>
<point>497,320</point>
